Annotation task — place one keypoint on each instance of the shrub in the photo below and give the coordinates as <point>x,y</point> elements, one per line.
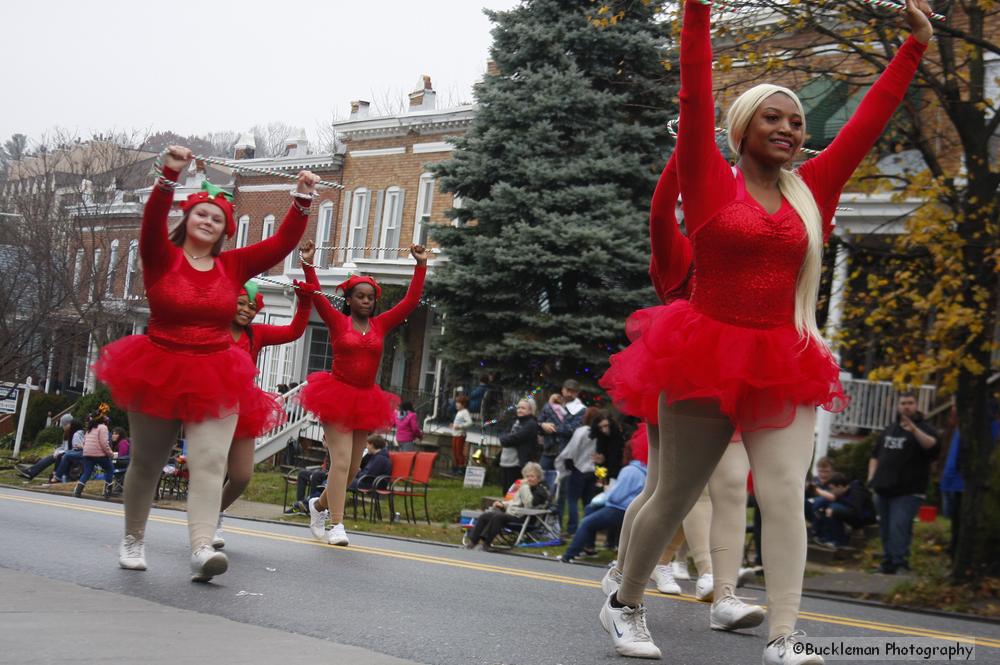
<point>39,407</point>
<point>50,436</point>
<point>91,401</point>
<point>852,458</point>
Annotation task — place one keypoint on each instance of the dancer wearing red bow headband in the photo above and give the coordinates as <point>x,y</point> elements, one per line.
<point>346,399</point>
<point>185,371</point>
<point>744,352</point>
<point>266,411</point>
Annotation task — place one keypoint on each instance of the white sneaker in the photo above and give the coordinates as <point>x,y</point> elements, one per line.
<point>745,576</point>
<point>132,553</point>
<point>218,542</point>
<point>663,578</point>
<point>338,536</point>
<point>317,520</point>
<point>627,627</point>
<point>731,613</point>
<point>782,652</point>
<point>612,580</point>
<point>704,589</point>
<point>206,563</point>
<point>680,570</point>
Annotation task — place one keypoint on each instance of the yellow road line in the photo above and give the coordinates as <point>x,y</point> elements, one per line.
<point>516,572</point>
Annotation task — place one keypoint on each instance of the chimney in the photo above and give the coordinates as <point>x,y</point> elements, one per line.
<point>359,109</point>
<point>492,68</point>
<point>245,147</point>
<point>422,99</point>
<point>297,145</point>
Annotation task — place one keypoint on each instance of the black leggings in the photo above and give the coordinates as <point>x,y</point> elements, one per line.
<point>490,524</point>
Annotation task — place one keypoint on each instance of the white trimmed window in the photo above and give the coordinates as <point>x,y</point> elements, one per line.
<point>95,287</point>
<point>132,271</point>
<point>242,231</point>
<point>112,268</point>
<point>359,224</point>
<point>425,203</point>
<point>392,218</point>
<point>268,229</point>
<point>78,268</point>
<point>324,232</point>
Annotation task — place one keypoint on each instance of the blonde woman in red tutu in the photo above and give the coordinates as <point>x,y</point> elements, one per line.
<point>346,399</point>
<point>744,351</point>
<point>185,371</point>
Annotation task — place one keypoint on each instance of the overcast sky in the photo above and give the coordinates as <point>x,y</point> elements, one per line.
<point>199,66</point>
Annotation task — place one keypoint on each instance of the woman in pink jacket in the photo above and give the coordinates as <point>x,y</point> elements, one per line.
<point>407,427</point>
<point>96,452</point>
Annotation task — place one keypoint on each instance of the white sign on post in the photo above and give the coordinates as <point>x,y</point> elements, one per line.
<point>475,476</point>
<point>8,397</point>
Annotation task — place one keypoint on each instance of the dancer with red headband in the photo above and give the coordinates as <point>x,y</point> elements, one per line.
<point>266,412</point>
<point>185,371</point>
<point>745,351</point>
<point>346,399</point>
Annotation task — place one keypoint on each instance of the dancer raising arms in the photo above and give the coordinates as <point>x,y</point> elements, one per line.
<point>346,399</point>
<point>744,352</point>
<point>266,412</point>
<point>185,372</point>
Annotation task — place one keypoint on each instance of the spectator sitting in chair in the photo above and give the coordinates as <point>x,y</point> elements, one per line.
<point>611,515</point>
<point>72,456</point>
<point>70,426</point>
<point>852,506</point>
<point>374,464</point>
<point>309,484</point>
<point>532,493</point>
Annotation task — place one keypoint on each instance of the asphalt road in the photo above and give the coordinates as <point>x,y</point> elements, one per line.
<point>287,597</point>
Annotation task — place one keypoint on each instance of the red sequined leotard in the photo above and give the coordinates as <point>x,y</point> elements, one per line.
<point>735,341</point>
<point>185,367</point>
<point>347,396</point>
<point>267,412</point>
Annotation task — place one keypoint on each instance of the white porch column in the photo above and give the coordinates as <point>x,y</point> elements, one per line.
<point>834,317</point>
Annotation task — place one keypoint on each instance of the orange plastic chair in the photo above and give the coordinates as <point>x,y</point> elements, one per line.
<point>417,485</point>
<point>402,463</point>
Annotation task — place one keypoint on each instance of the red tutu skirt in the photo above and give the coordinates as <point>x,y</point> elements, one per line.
<point>348,407</point>
<point>759,376</point>
<point>260,412</point>
<point>176,385</point>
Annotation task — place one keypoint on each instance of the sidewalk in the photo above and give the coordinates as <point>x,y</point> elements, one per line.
<point>46,621</point>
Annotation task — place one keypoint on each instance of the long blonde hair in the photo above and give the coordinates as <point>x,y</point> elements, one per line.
<point>801,199</point>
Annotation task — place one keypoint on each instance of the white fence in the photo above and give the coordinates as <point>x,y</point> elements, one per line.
<point>873,404</point>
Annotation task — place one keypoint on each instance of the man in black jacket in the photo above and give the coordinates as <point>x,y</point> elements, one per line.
<point>898,472</point>
<point>374,464</point>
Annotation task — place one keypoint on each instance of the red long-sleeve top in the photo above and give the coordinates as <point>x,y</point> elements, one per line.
<point>192,309</point>
<point>265,334</point>
<point>747,260</point>
<point>670,250</point>
<point>356,357</point>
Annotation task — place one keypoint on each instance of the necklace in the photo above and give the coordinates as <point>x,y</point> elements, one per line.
<point>195,258</point>
<point>368,326</point>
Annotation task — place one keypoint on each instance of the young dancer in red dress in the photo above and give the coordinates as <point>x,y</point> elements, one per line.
<point>268,412</point>
<point>346,399</point>
<point>715,526</point>
<point>744,351</point>
<point>185,371</point>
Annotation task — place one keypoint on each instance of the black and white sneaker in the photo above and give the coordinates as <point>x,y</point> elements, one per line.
<point>627,627</point>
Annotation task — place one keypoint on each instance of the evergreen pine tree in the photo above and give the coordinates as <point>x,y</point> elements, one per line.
<point>551,250</point>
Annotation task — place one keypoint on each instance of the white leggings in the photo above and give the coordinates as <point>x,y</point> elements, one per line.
<point>694,436</point>
<point>346,450</point>
<point>152,441</point>
<point>239,468</point>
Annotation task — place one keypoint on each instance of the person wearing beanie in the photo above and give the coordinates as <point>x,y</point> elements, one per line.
<point>346,399</point>
<point>267,410</point>
<point>185,371</point>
